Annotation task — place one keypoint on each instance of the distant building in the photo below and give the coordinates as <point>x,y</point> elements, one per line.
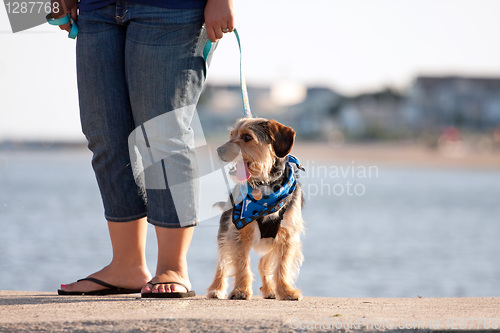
<point>431,104</point>
<point>312,118</point>
<point>464,102</point>
<point>373,115</point>
<point>221,105</point>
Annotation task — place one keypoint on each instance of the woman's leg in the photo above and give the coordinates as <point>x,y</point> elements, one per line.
<point>173,245</point>
<point>165,74</point>
<point>107,122</point>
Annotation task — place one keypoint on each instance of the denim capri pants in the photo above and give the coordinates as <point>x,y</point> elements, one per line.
<point>138,65</point>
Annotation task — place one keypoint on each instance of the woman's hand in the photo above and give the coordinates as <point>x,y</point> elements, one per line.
<point>72,12</point>
<point>219,18</point>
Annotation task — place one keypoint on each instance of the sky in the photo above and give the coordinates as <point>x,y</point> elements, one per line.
<point>351,46</point>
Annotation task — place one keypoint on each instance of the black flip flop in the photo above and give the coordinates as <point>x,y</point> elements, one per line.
<point>189,293</point>
<point>112,290</point>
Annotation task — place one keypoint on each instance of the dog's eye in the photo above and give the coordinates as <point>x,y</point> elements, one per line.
<point>246,137</point>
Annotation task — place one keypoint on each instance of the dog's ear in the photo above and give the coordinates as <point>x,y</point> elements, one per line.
<point>282,137</point>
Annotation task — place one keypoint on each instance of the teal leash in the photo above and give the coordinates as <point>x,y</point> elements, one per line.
<point>244,94</point>
<point>63,20</point>
<point>243,84</point>
<point>247,112</point>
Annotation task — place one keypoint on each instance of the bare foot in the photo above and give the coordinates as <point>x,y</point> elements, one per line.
<point>123,277</point>
<point>167,276</point>
<point>173,245</point>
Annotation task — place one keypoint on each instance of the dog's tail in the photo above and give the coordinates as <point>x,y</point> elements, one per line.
<point>223,205</point>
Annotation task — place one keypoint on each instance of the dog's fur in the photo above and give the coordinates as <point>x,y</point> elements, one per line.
<point>264,145</point>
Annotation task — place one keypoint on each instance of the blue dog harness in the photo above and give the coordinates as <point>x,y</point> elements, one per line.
<point>249,209</point>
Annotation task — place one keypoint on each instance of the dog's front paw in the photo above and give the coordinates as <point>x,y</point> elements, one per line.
<point>269,296</point>
<point>290,295</point>
<point>215,293</point>
<point>267,293</point>
<point>240,294</point>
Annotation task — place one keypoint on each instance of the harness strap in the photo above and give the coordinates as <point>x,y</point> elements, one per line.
<point>247,208</point>
<point>270,228</point>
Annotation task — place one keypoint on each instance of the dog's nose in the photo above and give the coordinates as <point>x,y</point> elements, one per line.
<point>228,151</point>
<point>221,151</point>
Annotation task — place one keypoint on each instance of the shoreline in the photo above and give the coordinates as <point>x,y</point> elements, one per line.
<point>22,311</point>
<point>397,154</point>
<point>387,153</point>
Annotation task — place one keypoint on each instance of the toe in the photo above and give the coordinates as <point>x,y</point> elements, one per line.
<point>74,286</point>
<point>175,288</point>
<point>170,276</point>
<point>146,289</point>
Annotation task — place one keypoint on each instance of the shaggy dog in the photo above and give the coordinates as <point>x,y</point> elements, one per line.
<point>264,213</point>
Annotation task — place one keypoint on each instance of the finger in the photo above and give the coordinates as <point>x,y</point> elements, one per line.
<point>65,26</point>
<point>74,14</point>
<point>230,25</point>
<point>211,34</point>
<point>218,33</point>
<point>58,15</point>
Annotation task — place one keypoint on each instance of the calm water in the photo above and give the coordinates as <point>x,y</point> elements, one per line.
<point>372,230</point>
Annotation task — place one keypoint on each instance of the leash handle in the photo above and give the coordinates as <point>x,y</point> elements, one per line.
<point>63,20</point>
<point>243,84</point>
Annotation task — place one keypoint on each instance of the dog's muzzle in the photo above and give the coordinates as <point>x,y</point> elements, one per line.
<point>228,151</point>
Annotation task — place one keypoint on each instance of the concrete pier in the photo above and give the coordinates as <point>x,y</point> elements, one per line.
<point>47,312</point>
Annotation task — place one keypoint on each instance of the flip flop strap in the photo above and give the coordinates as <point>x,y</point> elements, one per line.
<point>102,283</point>
<point>172,282</point>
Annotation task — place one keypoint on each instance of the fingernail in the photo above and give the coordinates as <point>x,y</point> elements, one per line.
<point>63,286</point>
